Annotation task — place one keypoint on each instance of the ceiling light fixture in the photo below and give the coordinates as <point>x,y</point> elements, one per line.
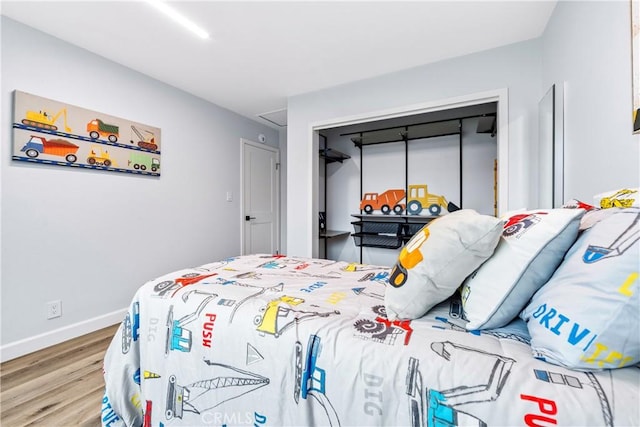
<point>179,18</point>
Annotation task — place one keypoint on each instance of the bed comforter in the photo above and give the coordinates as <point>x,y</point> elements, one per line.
<point>287,341</point>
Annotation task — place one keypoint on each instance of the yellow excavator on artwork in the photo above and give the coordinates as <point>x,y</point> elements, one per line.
<point>43,120</point>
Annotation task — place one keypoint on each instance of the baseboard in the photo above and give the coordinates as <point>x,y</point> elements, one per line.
<point>57,336</point>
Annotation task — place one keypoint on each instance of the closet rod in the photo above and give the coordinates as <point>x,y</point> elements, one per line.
<point>418,124</point>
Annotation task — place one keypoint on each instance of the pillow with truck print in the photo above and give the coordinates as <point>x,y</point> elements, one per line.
<point>587,316</point>
<point>433,264</point>
<point>533,244</point>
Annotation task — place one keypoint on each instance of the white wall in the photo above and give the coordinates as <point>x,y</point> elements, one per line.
<point>587,48</point>
<point>90,238</point>
<point>516,67</point>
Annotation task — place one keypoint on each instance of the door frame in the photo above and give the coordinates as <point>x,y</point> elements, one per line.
<point>500,96</point>
<point>243,143</point>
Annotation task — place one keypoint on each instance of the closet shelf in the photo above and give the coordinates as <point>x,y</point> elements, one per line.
<point>331,155</point>
<point>386,231</point>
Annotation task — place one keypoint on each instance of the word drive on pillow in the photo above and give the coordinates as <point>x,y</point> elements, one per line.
<point>533,244</point>
<point>587,316</point>
<point>435,262</point>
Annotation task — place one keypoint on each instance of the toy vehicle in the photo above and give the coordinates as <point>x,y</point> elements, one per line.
<point>384,202</point>
<point>43,120</point>
<point>98,128</point>
<point>419,198</point>
<point>98,156</point>
<point>143,162</point>
<point>147,143</point>
<point>57,147</point>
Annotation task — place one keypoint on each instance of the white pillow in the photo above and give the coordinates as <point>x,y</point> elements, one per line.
<point>433,264</point>
<point>533,244</point>
<point>587,316</point>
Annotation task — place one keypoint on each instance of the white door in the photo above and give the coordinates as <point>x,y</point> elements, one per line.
<point>260,198</point>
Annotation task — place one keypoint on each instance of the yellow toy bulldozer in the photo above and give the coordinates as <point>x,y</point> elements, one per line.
<point>419,198</point>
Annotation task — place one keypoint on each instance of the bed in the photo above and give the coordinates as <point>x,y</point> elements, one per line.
<point>289,341</point>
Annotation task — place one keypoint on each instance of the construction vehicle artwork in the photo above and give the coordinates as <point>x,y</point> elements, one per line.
<point>261,290</point>
<point>98,128</point>
<point>381,277</point>
<point>56,147</point>
<point>383,330</point>
<point>354,266</point>
<point>364,291</point>
<point>310,380</point>
<point>178,337</point>
<point>42,120</point>
<point>620,244</point>
<point>274,316</point>
<point>558,379</point>
<point>146,422</point>
<point>199,396</point>
<point>131,328</point>
<point>439,408</point>
<point>519,223</point>
<point>99,157</point>
<point>419,199</point>
<point>620,199</point>
<point>409,257</point>
<point>143,162</point>
<point>166,286</point>
<point>148,142</point>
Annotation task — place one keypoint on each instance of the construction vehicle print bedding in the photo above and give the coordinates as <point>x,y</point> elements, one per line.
<point>286,341</point>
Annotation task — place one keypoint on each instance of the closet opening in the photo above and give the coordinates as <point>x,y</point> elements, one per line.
<point>382,177</point>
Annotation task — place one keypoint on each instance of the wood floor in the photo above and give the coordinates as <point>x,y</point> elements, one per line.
<point>59,386</point>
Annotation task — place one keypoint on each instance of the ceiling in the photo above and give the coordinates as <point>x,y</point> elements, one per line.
<point>262,52</point>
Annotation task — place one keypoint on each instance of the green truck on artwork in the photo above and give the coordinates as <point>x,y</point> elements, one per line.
<point>98,128</point>
<point>141,161</point>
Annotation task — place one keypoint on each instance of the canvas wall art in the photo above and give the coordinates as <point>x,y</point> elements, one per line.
<point>56,133</point>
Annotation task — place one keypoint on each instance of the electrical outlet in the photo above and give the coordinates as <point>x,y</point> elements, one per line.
<point>54,309</point>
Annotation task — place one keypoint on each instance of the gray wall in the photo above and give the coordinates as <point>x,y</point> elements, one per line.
<point>89,238</point>
<point>587,49</point>
<point>516,67</point>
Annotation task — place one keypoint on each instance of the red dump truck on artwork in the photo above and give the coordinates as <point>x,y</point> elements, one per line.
<point>98,128</point>
<point>57,147</point>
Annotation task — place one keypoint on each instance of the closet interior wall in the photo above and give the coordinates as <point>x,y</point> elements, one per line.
<point>460,167</point>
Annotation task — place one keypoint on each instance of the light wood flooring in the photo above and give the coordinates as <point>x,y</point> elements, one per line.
<point>59,386</point>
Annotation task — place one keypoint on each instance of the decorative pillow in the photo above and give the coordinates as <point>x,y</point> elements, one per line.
<point>532,246</point>
<point>587,315</point>
<point>433,264</point>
